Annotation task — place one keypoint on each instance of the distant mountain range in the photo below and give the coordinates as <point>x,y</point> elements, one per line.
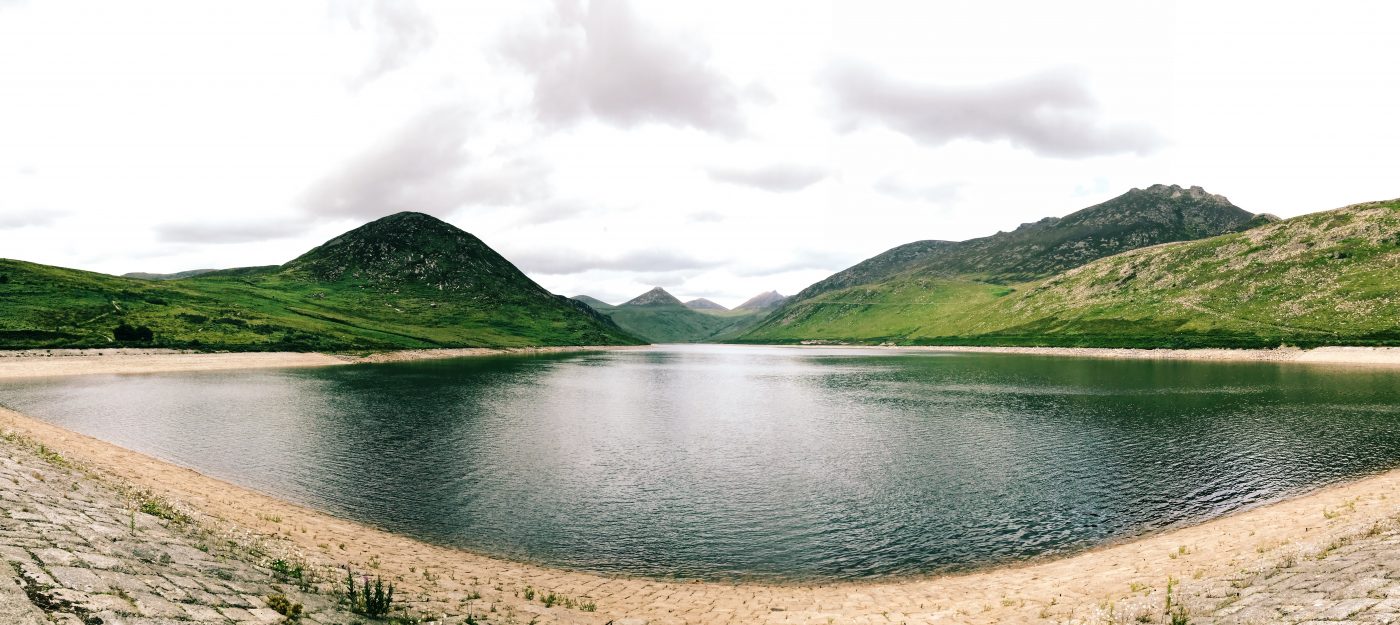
<point>167,276</point>
<point>1164,266</point>
<point>660,317</point>
<point>1156,267</point>
<point>405,281</point>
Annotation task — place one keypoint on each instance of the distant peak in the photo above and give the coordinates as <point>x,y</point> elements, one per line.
<point>703,304</point>
<point>763,301</point>
<point>657,296</point>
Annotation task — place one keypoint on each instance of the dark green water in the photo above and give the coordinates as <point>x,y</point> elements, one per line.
<point>771,463</point>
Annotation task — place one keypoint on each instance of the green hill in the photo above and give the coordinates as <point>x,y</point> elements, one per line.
<point>1138,218</point>
<point>1327,278</point>
<point>167,276</point>
<point>661,318</point>
<point>405,281</point>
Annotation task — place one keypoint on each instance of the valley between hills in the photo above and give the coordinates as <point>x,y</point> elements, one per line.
<point>1161,267</point>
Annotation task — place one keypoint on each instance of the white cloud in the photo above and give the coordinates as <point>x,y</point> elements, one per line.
<point>600,60</point>
<point>229,232</point>
<point>778,178</point>
<point>27,218</point>
<point>1051,114</point>
<point>564,262</point>
<point>920,191</point>
<point>397,30</point>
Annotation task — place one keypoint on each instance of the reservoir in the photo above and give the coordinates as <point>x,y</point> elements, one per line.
<point>773,464</point>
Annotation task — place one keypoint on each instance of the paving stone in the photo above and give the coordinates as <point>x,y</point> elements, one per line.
<point>202,613</point>
<point>94,602</point>
<point>15,607</point>
<point>1346,608</point>
<point>51,557</point>
<point>35,574</point>
<point>237,614</point>
<point>152,605</point>
<point>125,582</point>
<point>99,561</point>
<point>77,578</point>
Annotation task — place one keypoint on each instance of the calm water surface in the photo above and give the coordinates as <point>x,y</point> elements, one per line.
<point>769,463</point>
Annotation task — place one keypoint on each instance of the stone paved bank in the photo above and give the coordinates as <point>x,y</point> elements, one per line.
<point>81,552</point>
<point>1345,580</point>
<point>79,546</point>
<point>1354,580</point>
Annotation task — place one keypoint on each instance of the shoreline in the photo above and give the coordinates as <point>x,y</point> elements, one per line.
<point>1073,586</point>
<point>1351,356</point>
<point>1051,589</point>
<point>1332,355</point>
<point>119,361</point>
<point>65,362</point>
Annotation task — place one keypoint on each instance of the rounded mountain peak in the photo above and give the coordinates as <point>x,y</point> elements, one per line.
<point>657,296</point>
<point>412,249</point>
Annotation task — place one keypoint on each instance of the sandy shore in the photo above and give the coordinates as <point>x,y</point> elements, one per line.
<point>1363,356</point>
<point>63,362</point>
<point>1358,356</point>
<point>1079,588</point>
<point>60,362</point>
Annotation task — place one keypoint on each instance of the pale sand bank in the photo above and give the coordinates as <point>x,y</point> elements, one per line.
<point>1380,356</point>
<point>1361,356</point>
<point>1071,589</point>
<point>60,362</point>
<point>63,362</point>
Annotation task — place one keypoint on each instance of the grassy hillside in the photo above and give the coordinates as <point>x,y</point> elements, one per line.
<point>405,281</point>
<point>667,324</point>
<point>167,276</point>
<point>1138,218</point>
<point>1328,278</point>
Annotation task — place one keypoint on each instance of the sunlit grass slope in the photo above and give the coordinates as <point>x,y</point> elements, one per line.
<point>405,281</point>
<point>1327,278</point>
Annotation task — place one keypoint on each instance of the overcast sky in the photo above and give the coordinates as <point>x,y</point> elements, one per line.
<point>718,149</point>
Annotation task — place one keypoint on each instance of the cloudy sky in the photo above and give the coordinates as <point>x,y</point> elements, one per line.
<point>718,149</point>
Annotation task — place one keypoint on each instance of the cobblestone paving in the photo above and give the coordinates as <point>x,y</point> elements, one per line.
<point>1349,580</point>
<point>1355,581</point>
<point>75,551</point>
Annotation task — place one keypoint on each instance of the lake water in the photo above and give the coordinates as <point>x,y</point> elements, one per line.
<point>756,462</point>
